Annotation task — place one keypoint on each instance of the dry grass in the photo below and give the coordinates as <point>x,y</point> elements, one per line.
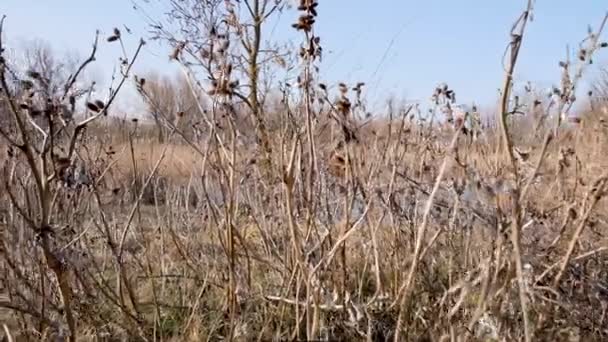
<point>314,225</point>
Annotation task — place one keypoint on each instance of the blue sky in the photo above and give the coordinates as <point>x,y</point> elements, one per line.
<point>398,47</point>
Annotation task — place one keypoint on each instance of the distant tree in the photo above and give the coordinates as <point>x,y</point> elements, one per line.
<point>49,72</point>
<point>599,95</point>
<point>169,103</point>
<point>38,56</point>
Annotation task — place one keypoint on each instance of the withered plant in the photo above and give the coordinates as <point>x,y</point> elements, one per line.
<point>314,221</point>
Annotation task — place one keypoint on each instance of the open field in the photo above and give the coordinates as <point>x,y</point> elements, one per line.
<point>304,220</point>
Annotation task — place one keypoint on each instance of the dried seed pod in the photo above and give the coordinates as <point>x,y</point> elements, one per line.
<point>177,50</point>
<point>33,74</point>
<point>343,106</point>
<point>27,84</point>
<point>93,107</point>
<point>112,38</point>
<point>100,104</point>
<point>205,54</point>
<point>582,54</point>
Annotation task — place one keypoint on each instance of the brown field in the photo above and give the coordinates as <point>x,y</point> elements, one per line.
<point>299,221</point>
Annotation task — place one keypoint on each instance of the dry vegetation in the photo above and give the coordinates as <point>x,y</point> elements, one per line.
<point>231,218</point>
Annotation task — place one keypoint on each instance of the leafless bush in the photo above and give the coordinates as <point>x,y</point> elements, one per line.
<point>349,227</point>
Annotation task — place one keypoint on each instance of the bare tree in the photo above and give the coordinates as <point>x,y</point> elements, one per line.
<point>168,100</point>
<point>201,32</point>
<point>38,55</point>
<point>35,59</point>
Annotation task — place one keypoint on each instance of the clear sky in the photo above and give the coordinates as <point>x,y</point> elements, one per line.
<point>398,47</point>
